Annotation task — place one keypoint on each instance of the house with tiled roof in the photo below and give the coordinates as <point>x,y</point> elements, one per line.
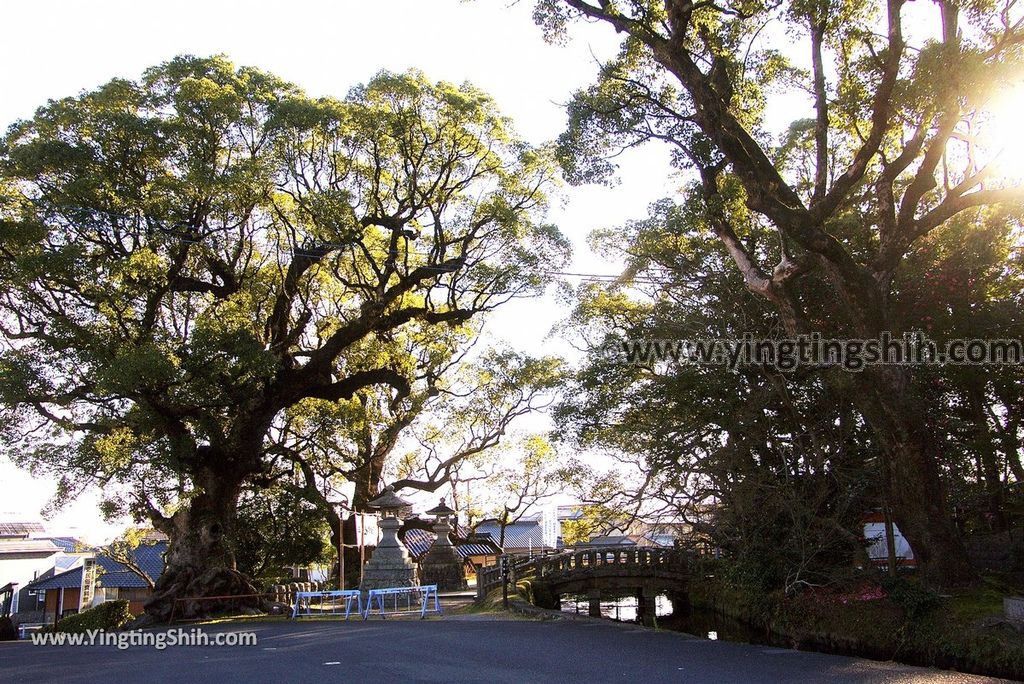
<point>21,561</point>
<point>26,553</point>
<point>533,534</point>
<point>20,530</point>
<point>97,579</point>
<point>476,550</point>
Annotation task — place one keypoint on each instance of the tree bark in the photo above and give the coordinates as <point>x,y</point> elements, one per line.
<point>200,562</point>
<point>1007,432</point>
<point>988,456</point>
<point>916,492</point>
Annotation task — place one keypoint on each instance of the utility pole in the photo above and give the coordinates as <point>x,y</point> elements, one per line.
<point>341,549</point>
<point>341,543</point>
<point>362,546</point>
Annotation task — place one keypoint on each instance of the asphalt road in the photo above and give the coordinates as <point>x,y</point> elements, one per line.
<point>451,649</point>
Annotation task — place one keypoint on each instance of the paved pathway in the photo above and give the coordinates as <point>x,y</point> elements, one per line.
<point>459,648</point>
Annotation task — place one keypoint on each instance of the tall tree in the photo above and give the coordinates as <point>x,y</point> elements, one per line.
<point>975,269</point>
<point>187,256</point>
<point>888,153</point>
<point>772,468</point>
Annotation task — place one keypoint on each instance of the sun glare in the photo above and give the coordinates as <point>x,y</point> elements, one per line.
<point>1001,134</point>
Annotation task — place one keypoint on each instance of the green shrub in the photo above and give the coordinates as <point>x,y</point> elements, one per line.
<point>107,616</point>
<point>916,600</point>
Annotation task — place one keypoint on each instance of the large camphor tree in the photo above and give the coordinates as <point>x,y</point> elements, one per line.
<point>891,148</point>
<point>190,258</point>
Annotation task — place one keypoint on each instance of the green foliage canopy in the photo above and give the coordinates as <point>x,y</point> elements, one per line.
<point>188,256</point>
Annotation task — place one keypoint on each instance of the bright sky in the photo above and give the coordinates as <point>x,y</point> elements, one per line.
<point>55,49</point>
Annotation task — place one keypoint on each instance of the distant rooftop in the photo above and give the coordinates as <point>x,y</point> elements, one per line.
<point>20,529</point>
<point>67,544</point>
<point>570,512</point>
<point>627,540</point>
<point>17,546</point>
<point>609,540</point>
<point>419,541</point>
<point>524,534</point>
<point>149,558</point>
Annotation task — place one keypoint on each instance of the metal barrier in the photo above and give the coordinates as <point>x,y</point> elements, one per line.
<point>394,596</point>
<point>304,599</point>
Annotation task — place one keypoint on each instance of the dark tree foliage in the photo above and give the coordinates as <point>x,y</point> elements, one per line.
<point>278,530</point>
<point>822,223</point>
<point>774,469</point>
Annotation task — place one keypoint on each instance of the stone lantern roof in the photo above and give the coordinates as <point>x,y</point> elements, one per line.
<point>389,501</point>
<point>441,510</point>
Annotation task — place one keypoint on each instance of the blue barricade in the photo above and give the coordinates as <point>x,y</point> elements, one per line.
<point>401,600</point>
<point>305,599</point>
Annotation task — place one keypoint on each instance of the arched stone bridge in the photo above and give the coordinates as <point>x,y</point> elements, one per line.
<point>607,570</point>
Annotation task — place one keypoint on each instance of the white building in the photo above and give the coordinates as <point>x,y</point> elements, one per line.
<point>26,553</point>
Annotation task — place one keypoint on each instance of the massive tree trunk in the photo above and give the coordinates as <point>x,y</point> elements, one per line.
<point>897,414</point>
<point>898,417</point>
<point>200,558</point>
<point>990,471</point>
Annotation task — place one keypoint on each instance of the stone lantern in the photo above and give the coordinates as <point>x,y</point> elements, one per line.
<point>390,565</point>
<point>442,564</point>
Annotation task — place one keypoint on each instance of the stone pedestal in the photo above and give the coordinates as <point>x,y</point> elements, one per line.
<point>390,565</point>
<point>594,599</point>
<point>442,565</point>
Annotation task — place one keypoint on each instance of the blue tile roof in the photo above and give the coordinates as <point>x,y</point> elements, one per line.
<point>477,549</point>
<point>149,558</point>
<point>69,579</point>
<point>67,544</point>
<point>418,542</point>
<point>518,535</point>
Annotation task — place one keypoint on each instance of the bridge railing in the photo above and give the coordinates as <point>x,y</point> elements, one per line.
<point>490,578</point>
<point>589,558</point>
<point>487,580</point>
